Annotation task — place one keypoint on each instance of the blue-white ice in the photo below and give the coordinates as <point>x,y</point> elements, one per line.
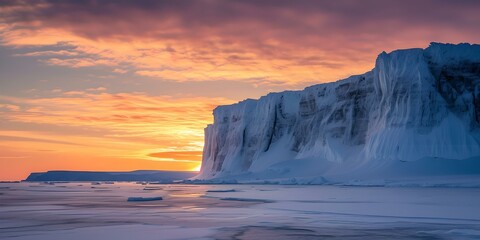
<point>78,211</point>
<point>413,119</point>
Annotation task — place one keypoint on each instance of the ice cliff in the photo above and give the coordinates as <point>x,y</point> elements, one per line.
<point>417,112</point>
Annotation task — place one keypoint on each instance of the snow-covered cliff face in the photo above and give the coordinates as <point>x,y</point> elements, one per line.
<point>415,104</point>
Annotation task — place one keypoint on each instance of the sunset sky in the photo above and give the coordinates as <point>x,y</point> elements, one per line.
<point>126,85</point>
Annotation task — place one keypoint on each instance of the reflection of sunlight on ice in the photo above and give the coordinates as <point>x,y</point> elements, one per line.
<point>189,195</point>
<point>193,208</point>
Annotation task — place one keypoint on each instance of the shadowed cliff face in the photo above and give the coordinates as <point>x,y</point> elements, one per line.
<point>459,85</point>
<point>414,104</point>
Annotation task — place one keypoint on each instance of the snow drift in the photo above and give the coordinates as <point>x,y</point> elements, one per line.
<point>417,113</point>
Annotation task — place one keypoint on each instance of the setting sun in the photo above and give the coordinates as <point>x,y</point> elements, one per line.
<point>197,168</point>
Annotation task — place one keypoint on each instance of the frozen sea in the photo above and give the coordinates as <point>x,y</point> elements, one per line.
<point>101,211</point>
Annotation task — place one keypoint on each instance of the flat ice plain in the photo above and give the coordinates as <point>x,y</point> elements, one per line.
<point>86,211</point>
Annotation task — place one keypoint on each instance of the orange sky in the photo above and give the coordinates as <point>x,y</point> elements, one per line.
<point>127,85</point>
<point>94,130</point>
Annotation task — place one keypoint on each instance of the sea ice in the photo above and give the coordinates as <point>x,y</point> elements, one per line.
<point>252,211</point>
<point>143,199</point>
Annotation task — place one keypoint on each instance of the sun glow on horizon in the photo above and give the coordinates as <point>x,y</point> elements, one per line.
<point>103,131</point>
<point>197,168</point>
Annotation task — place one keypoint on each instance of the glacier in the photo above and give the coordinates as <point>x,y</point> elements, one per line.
<point>414,116</point>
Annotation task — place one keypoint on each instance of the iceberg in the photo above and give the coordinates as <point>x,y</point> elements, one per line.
<point>415,114</point>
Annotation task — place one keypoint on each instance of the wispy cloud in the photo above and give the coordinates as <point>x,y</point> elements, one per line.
<point>279,41</point>
<point>98,89</point>
<point>47,53</point>
<point>94,124</point>
<point>123,115</point>
<point>29,139</point>
<point>9,107</point>
<point>178,155</point>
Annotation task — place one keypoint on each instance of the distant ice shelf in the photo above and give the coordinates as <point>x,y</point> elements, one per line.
<point>108,177</point>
